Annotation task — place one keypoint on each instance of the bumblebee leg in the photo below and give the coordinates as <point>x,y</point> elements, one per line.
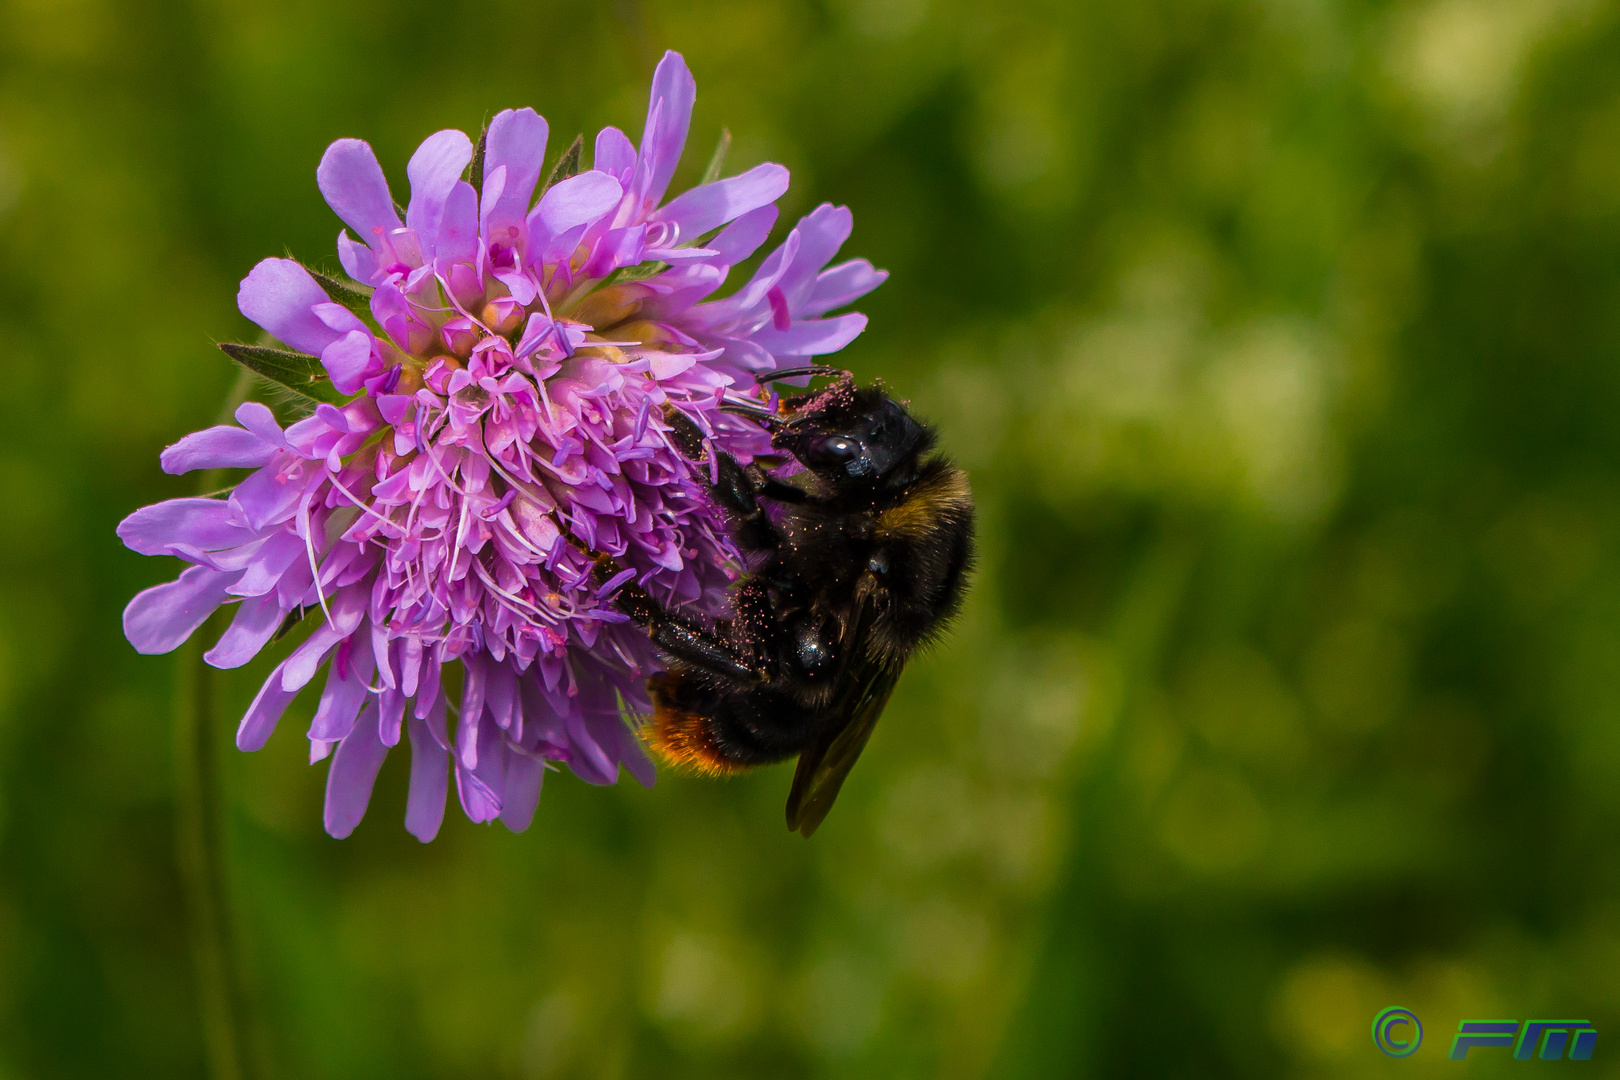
<point>734,487</point>
<point>694,646</point>
<point>687,436</point>
<point>683,637</point>
<point>766,487</point>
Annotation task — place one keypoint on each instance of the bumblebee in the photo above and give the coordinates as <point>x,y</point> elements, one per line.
<point>856,565</point>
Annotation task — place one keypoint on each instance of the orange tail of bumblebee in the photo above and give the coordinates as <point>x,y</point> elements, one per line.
<point>684,739</point>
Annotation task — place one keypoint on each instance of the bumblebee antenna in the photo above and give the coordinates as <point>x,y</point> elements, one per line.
<point>794,373</point>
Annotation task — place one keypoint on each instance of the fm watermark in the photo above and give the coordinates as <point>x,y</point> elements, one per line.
<point>1399,1033</point>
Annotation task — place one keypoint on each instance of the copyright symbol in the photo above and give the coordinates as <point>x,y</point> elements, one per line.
<point>1391,1038</point>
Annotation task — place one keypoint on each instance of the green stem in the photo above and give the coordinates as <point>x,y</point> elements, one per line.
<point>199,843</point>
<point>199,838</point>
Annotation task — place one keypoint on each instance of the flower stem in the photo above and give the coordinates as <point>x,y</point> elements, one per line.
<point>199,844</point>
<point>199,839</point>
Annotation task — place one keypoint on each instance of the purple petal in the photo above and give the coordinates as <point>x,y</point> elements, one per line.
<point>614,154</point>
<point>494,185</point>
<point>358,260</point>
<point>669,112</point>
<point>435,169</point>
<point>814,337</point>
<point>750,296</point>
<point>424,807</point>
<point>840,285</point>
<point>588,761</point>
<point>348,608</point>
<point>746,357</point>
<point>280,296</point>
<point>611,585</point>
<point>345,360</point>
<point>391,716</point>
<point>743,237</point>
<point>516,141</point>
<point>520,285</point>
<point>427,691</point>
<point>481,787</point>
<point>356,190</point>
<point>255,624</point>
<point>458,227</point>
<point>478,800</point>
<point>352,775</point>
<point>668,365</point>
<point>342,697</point>
<point>300,668</point>
<point>408,657</point>
<point>161,618</point>
<point>500,695</point>
<point>578,200</point>
<point>265,498</point>
<point>262,716</point>
<point>821,233</point>
<point>470,722</point>
<point>269,562</point>
<point>222,447</point>
<point>624,745</point>
<point>708,207</point>
<point>201,523</point>
<point>619,247</point>
<point>635,759</point>
<point>257,418</point>
<point>523,779</point>
<point>687,285</point>
<point>339,318</point>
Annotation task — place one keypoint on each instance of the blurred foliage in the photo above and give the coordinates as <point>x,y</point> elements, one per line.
<point>1282,340</point>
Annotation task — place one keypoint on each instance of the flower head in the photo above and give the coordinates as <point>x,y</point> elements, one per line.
<point>489,407</point>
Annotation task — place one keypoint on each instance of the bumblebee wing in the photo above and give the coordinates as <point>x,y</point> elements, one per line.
<point>823,766</point>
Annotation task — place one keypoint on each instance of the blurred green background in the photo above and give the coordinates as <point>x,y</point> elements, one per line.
<point>1282,340</point>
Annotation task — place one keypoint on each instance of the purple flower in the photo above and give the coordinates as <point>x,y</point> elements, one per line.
<point>496,418</point>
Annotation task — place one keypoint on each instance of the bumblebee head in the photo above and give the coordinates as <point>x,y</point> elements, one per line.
<point>847,435</point>
<point>863,442</point>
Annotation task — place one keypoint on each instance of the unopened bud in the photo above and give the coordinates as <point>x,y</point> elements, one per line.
<point>459,336</point>
<point>502,315</point>
<point>609,306</point>
<point>437,373</point>
<point>643,332</point>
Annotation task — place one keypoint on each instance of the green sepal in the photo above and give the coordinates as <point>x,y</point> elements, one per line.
<point>641,271</point>
<point>298,372</point>
<point>638,272</point>
<point>294,617</point>
<point>475,168</point>
<point>567,165</point>
<point>717,160</point>
<point>351,294</point>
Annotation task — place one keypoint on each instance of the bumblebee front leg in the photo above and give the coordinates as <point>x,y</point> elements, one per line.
<point>735,488</point>
<point>683,637</point>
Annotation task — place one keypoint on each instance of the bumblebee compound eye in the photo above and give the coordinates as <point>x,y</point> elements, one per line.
<point>831,450</point>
